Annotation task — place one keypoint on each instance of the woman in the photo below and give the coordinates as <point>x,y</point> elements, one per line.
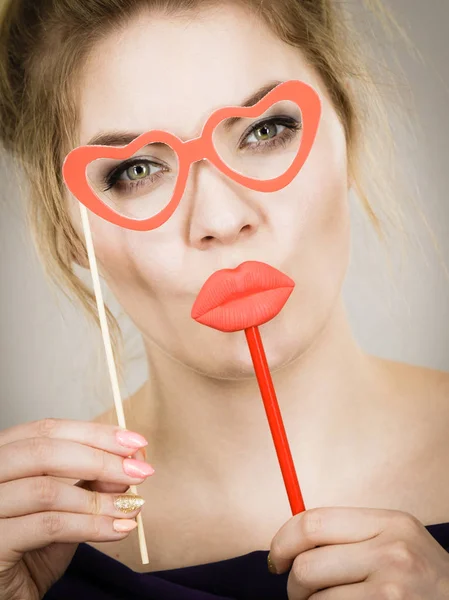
<point>368,436</point>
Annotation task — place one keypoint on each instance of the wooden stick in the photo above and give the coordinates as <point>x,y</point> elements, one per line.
<point>110,358</point>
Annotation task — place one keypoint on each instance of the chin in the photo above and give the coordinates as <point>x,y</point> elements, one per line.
<point>230,358</point>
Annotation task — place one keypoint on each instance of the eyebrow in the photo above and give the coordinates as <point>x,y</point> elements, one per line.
<point>122,138</point>
<point>251,101</point>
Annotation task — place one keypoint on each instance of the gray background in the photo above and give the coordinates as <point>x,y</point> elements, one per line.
<point>52,361</point>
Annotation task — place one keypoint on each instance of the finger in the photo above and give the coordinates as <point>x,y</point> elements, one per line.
<point>38,530</point>
<point>103,487</point>
<point>324,526</point>
<point>106,487</point>
<point>330,566</point>
<point>38,494</point>
<point>356,591</point>
<point>61,458</point>
<point>110,438</point>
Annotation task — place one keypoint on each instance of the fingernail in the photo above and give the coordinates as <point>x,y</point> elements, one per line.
<point>130,439</point>
<point>137,468</point>
<point>128,503</point>
<point>124,525</point>
<point>271,566</point>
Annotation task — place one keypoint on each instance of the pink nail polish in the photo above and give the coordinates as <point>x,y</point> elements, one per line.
<point>137,468</point>
<point>130,439</point>
<point>124,525</point>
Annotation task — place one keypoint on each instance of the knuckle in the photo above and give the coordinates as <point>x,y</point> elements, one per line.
<point>45,491</point>
<point>401,555</point>
<point>103,464</point>
<point>95,504</point>
<point>311,523</point>
<point>409,524</point>
<point>98,526</point>
<point>41,450</point>
<point>52,524</point>
<point>301,570</point>
<point>391,591</point>
<point>46,427</point>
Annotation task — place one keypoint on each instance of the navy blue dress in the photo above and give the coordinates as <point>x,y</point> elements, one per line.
<point>93,575</point>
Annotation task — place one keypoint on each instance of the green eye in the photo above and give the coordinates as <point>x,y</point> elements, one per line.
<point>138,171</point>
<point>266,131</point>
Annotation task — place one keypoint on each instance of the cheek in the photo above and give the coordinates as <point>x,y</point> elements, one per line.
<point>123,260</point>
<point>137,264</point>
<point>134,264</point>
<point>312,213</point>
<point>315,223</point>
<point>115,248</point>
<point>326,233</point>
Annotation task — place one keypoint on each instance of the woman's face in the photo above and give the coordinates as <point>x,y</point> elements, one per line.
<point>171,73</point>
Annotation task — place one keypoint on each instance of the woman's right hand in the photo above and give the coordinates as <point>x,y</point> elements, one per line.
<point>43,519</point>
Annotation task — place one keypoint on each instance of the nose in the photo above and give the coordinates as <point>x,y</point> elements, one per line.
<point>221,210</point>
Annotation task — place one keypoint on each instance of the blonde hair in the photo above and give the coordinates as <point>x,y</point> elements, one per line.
<point>43,45</point>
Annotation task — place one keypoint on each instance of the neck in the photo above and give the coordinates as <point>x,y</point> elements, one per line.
<point>325,396</point>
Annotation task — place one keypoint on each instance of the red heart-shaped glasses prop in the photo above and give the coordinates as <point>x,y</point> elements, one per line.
<point>188,152</point>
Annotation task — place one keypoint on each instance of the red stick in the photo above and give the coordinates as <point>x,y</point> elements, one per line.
<point>275,419</point>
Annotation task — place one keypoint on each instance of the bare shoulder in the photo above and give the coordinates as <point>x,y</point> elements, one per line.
<point>422,385</point>
<point>420,398</point>
<point>416,449</point>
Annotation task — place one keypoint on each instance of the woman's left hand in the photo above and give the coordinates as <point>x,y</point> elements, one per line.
<point>360,554</point>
